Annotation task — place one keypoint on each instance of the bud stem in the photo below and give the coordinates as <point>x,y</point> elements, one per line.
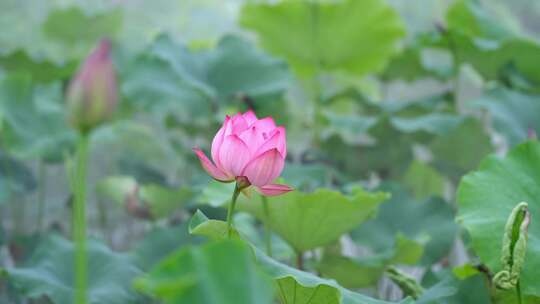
<point>300,260</point>
<point>79,220</point>
<point>518,292</point>
<point>267,231</point>
<point>230,212</point>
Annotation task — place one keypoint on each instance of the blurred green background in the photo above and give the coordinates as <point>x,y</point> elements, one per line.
<point>401,98</point>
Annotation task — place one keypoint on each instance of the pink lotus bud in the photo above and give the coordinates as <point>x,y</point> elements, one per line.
<point>92,94</point>
<point>531,134</point>
<point>251,148</point>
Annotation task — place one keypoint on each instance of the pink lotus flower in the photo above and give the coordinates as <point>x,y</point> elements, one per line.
<point>249,150</point>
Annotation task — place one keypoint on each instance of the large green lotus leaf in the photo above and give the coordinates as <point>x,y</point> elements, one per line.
<point>522,53</point>
<point>350,128</point>
<point>158,200</point>
<point>299,287</point>
<point>136,148</point>
<point>419,60</point>
<point>15,177</point>
<point>308,176</point>
<point>353,36</point>
<point>217,230</point>
<point>440,292</point>
<point>487,196</point>
<point>170,77</point>
<point>216,273</point>
<point>366,271</point>
<point>450,156</point>
<point>157,82</point>
<point>491,58</point>
<point>432,218</point>
<point>42,70</point>
<point>423,180</point>
<point>399,125</point>
<point>34,124</point>
<point>473,289</point>
<point>159,243</point>
<point>163,201</point>
<point>77,31</point>
<point>473,20</point>
<point>50,272</point>
<point>433,123</point>
<point>512,112</point>
<point>350,273</point>
<point>250,230</point>
<point>490,43</point>
<point>237,67</point>
<point>310,220</point>
<point>406,65</point>
<point>395,145</point>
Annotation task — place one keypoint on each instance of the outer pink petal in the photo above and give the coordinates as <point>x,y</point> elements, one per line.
<point>263,169</point>
<point>239,124</point>
<point>276,140</point>
<point>250,117</point>
<point>274,189</point>
<point>209,167</point>
<point>234,155</point>
<point>218,140</point>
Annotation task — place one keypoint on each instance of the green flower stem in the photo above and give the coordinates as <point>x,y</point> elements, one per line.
<point>518,293</point>
<point>267,231</point>
<point>300,260</point>
<point>42,172</point>
<point>230,212</point>
<point>79,221</point>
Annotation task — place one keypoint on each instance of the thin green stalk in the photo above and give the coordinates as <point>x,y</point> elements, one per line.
<point>267,231</point>
<point>42,187</point>
<point>518,293</point>
<point>230,212</point>
<point>300,260</point>
<point>79,221</point>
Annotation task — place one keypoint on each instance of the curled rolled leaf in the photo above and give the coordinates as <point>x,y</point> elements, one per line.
<point>514,247</point>
<point>408,285</point>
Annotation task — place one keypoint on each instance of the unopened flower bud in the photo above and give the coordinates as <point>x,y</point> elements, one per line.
<point>408,285</point>
<point>92,94</point>
<point>514,247</point>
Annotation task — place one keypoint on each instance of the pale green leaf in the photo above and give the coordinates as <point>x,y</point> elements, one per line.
<point>310,220</point>
<point>212,229</point>
<point>423,180</point>
<point>50,272</point>
<point>159,243</point>
<point>299,287</point>
<point>216,273</point>
<point>513,113</point>
<point>34,124</point>
<point>366,271</point>
<point>352,36</point>
<point>417,220</point>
